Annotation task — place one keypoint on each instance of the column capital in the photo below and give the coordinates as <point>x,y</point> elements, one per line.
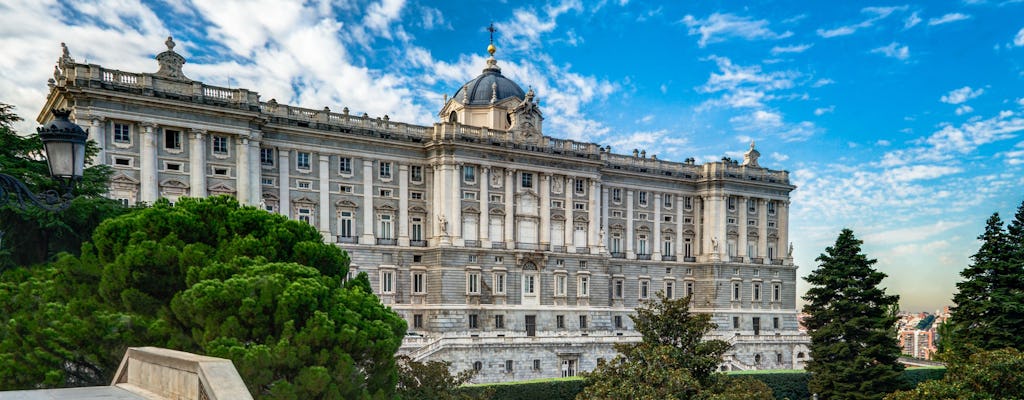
<point>94,119</point>
<point>148,125</point>
<point>485,168</point>
<point>198,133</point>
<point>256,135</point>
<point>544,176</point>
<point>403,167</point>
<point>510,171</point>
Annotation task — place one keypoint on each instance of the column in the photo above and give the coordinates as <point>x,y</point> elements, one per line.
<point>743,213</point>
<point>284,183</point>
<point>570,219</point>
<point>485,216</point>
<point>454,192</point>
<point>783,212</point>
<point>593,237</point>
<point>325,197</point>
<point>255,168</point>
<point>629,225</point>
<point>242,172</point>
<point>367,237</point>
<point>197,163</point>
<point>762,229</point>
<point>545,209</point>
<point>147,164</point>
<point>698,226</point>
<point>436,204</point>
<point>403,205</point>
<point>98,134</point>
<point>656,240</point>
<point>604,216</point>
<point>679,227</point>
<point>510,241</point>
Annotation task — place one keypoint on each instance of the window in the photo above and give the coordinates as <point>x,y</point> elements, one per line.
<point>618,321</point>
<point>579,205</point>
<point>688,202</point>
<point>751,222</point>
<point>345,188</point>
<point>687,220</point>
<point>666,218</point>
<point>345,165</point>
<point>267,156</point>
<point>641,216</point>
<point>583,322</point>
<point>731,221</point>
<point>667,200</point>
<point>302,160</point>
<point>689,290</point>
<point>417,321</point>
<point>300,184</point>
<point>756,290</point>
<point>581,186</point>
<point>385,193</point>
<point>495,198</point>
<point>616,213</point>
<point>583,290</point>
<point>561,283</point>
<point>777,292</point>
<point>583,264</point>
<point>771,207</point>
<point>477,366</point>
<point>499,322</point>
<point>345,224</point>
<point>419,284</point>
<point>416,173</point>
<point>499,259</point>
<point>385,170</point>
<point>732,203</point>
<point>473,321</point>
<point>775,322</point>
<point>527,180</point>
<point>220,145</point>
<point>617,195</point>
<point>508,366</point>
<point>385,226</point>
<point>771,224</point>
<point>499,283</point>
<point>536,365</point>
<point>641,245</point>
<point>778,358</point>
<point>417,229</point>
<point>122,133</point>
<point>172,166</point>
<point>473,283</point>
<point>617,288</point>
<point>469,174</point>
<point>416,195</point>
<point>667,246</point>
<point>670,287</point>
<point>172,139</point>
<point>469,195</point>
<point>689,271</point>
<point>616,244</point>
<point>751,206</point>
<point>387,281</point>
<point>305,215</point>
<point>560,322</point>
<point>645,289</point>
<point>735,291</point>
<point>557,204</point>
<point>473,258</point>
<point>643,199</point>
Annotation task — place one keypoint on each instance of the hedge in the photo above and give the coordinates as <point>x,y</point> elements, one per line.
<point>790,385</point>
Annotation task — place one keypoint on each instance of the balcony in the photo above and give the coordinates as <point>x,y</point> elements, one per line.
<point>643,256</point>
<point>689,259</point>
<point>472,243</point>
<point>418,243</point>
<point>498,245</point>
<point>776,261</point>
<point>556,248</point>
<point>618,254</point>
<point>387,242</point>
<point>668,258</point>
<point>527,246</point>
<point>346,239</point>
<point>756,260</point>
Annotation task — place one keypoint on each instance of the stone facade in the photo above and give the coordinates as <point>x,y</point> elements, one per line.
<point>514,253</point>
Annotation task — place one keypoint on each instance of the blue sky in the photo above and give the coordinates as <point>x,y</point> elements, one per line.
<point>902,121</point>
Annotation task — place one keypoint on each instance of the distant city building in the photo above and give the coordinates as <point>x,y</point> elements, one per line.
<point>509,252</point>
<point>918,333</point>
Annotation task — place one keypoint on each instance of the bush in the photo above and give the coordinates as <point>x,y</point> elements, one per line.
<point>547,389</point>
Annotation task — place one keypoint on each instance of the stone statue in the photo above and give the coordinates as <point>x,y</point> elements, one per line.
<point>714,245</point>
<point>443,221</point>
<point>601,236</point>
<point>790,249</point>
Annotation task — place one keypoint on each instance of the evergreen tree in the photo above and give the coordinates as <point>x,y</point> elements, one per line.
<point>854,353</point>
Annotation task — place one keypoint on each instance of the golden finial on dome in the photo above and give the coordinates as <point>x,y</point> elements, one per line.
<point>490,48</point>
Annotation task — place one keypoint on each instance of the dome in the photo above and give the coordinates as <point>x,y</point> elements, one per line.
<point>490,84</point>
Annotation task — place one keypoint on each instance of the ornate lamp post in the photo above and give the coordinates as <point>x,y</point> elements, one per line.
<point>64,144</point>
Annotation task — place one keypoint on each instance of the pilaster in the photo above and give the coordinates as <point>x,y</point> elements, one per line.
<point>545,209</point>
<point>98,134</point>
<point>630,232</point>
<point>147,164</point>
<point>762,229</point>
<point>593,239</point>
<point>604,218</point>
<point>367,237</point>
<point>679,227</point>
<point>325,197</point>
<point>485,210</point>
<point>284,183</point>
<point>197,163</point>
<point>741,229</point>
<point>403,205</point>
<point>656,246</point>
<point>570,218</point>
<point>510,242</point>
<point>242,174</point>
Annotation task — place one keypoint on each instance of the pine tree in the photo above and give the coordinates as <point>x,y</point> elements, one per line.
<point>854,353</point>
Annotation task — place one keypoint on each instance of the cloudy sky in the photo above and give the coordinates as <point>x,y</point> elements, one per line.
<point>902,121</point>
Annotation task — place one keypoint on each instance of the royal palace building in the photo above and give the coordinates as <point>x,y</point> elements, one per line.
<point>509,252</point>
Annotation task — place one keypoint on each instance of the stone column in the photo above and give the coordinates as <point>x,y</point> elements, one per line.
<point>147,164</point>
<point>98,134</point>
<point>744,212</point>
<point>284,184</point>
<point>454,192</point>
<point>403,205</point>
<point>510,240</point>
<point>604,215</point>
<point>483,224</point>
<point>545,209</point>
<point>679,228</point>
<point>783,247</point>
<point>242,172</point>
<point>367,237</point>
<point>255,168</point>
<point>656,245</point>
<point>437,204</point>
<point>593,237</point>
<point>630,254</point>
<point>197,163</point>
<point>570,218</point>
<point>698,226</point>
<point>325,197</point>
<point>762,229</point>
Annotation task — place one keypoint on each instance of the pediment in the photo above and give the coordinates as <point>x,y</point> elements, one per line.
<point>415,209</point>
<point>580,218</point>
<point>270,196</point>
<point>173,183</point>
<point>304,200</point>
<point>386,207</point>
<point>221,188</point>
<point>345,203</point>
<point>558,217</point>
<point>497,211</point>
<point>122,178</point>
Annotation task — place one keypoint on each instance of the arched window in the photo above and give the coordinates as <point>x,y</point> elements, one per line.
<point>453,117</point>
<point>757,358</point>
<point>800,355</point>
<point>477,366</point>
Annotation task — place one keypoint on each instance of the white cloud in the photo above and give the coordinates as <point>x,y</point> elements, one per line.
<point>779,156</point>
<point>911,21</point>
<point>824,110</point>
<point>732,76</point>
<point>877,14</point>
<point>759,120</point>
<point>1019,39</point>
<point>964,109</point>
<point>719,27</point>
<point>652,141</point>
<point>883,143</point>
<point>913,233</point>
<point>524,31</point>
<point>646,119</point>
<point>796,48</point>
<point>961,95</point>
<point>893,50</point>
<point>945,19</point>
<point>822,82</point>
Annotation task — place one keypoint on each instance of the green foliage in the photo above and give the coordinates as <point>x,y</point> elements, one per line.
<point>989,309</point>
<point>204,276</point>
<point>785,385</point>
<point>433,380</point>
<point>548,389</point>
<point>672,362</point>
<point>981,376</point>
<point>853,351</point>
<point>32,235</point>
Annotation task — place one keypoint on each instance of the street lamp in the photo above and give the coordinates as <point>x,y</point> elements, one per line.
<point>64,145</point>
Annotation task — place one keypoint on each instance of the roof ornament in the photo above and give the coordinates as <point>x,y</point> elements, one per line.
<point>65,59</point>
<point>494,92</point>
<point>171,63</point>
<point>492,64</point>
<point>750,157</point>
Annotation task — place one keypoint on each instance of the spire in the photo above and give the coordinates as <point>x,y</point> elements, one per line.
<point>490,48</point>
<point>492,64</point>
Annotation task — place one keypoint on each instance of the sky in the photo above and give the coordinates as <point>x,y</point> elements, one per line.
<point>903,121</point>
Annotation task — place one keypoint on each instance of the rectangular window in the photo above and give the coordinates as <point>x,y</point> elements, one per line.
<point>508,366</point>
<point>172,166</point>
<point>527,180</point>
<point>561,283</point>
<point>617,213</point>
<point>756,290</point>
<point>667,246</point>
<point>688,202</point>
<point>419,284</point>
<point>345,165</point>
<point>536,365</point>
<point>417,229</point>
<point>583,322</point>
<point>473,321</point>
<point>751,206</point>
<point>777,292</point>
<point>495,198</point>
<point>469,173</point>
<point>305,215</point>
<point>579,205</point>
<point>618,321</point>
<point>735,322</point>
<point>385,170</point>
<point>345,228</point>
<point>775,322</point>
<point>735,291</point>
<point>617,195</point>
<point>771,207</point>
<point>643,199</point>
<point>417,321</point>
<point>304,184</point>
<point>267,156</point>
<point>302,160</point>
<point>385,226</point>
<point>122,133</point>
<point>560,322</point>
<point>172,139</point>
<point>385,193</point>
<point>472,283</point>
<point>645,288</point>
<point>583,264</point>
<point>666,218</point>
<point>667,200</point>
<point>641,245</point>
<point>584,286</point>
<point>499,283</point>
<point>345,188</point>
<point>689,289</point>
<point>732,203</point>
<point>617,292</point>
<point>267,181</point>
<point>581,186</point>
<point>220,145</point>
<point>499,322</point>
<point>416,195</point>
<point>469,195</point>
<point>557,204</point>
<point>387,282</point>
<point>416,173</point>
<point>670,287</point>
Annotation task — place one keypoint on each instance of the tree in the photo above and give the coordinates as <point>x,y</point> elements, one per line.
<point>206,276</point>
<point>989,307</point>
<point>854,353</point>
<point>673,361</point>
<point>432,380</point>
<point>33,235</point>
<point>983,375</point>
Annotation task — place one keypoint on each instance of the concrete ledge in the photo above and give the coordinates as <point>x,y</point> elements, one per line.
<point>158,373</point>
